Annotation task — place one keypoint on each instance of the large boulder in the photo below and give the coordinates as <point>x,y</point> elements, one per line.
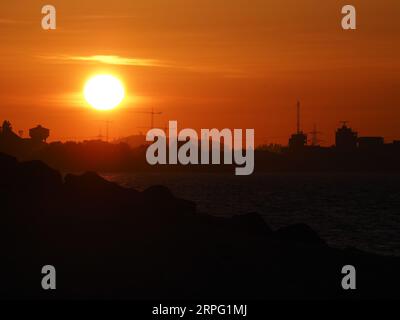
<point>38,176</point>
<point>299,234</point>
<point>251,223</point>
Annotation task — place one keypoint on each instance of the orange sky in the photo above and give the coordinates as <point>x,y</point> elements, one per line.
<point>208,63</point>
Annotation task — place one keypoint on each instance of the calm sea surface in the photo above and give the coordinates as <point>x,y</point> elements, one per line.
<point>360,210</point>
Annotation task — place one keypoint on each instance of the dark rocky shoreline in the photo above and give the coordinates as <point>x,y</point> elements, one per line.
<point>107,241</point>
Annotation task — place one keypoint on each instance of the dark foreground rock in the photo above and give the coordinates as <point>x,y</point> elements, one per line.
<point>107,241</point>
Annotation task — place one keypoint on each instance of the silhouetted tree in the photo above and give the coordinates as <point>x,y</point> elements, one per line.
<point>6,127</point>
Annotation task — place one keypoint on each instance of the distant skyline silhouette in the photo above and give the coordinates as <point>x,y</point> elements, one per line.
<point>351,153</point>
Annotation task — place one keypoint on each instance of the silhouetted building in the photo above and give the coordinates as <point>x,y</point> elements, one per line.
<point>370,143</point>
<point>298,140</point>
<point>39,134</point>
<point>346,138</point>
<point>396,143</point>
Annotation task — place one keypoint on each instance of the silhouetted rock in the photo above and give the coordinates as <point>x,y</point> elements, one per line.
<point>42,176</point>
<point>7,161</point>
<point>158,192</point>
<point>162,196</point>
<point>91,184</point>
<point>107,241</point>
<point>8,165</point>
<point>299,233</point>
<point>252,223</point>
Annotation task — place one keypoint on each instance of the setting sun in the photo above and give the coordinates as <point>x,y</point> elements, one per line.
<point>104,92</point>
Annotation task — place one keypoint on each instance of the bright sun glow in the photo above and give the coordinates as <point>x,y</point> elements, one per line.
<point>104,92</point>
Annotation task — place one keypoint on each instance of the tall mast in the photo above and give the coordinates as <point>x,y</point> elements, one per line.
<point>298,116</point>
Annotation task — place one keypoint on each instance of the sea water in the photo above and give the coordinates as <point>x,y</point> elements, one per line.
<point>359,210</point>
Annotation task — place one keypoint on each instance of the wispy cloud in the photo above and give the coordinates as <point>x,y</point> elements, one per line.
<point>140,62</point>
<point>109,59</point>
<point>5,21</point>
<point>123,61</point>
<point>89,17</point>
<point>8,21</point>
